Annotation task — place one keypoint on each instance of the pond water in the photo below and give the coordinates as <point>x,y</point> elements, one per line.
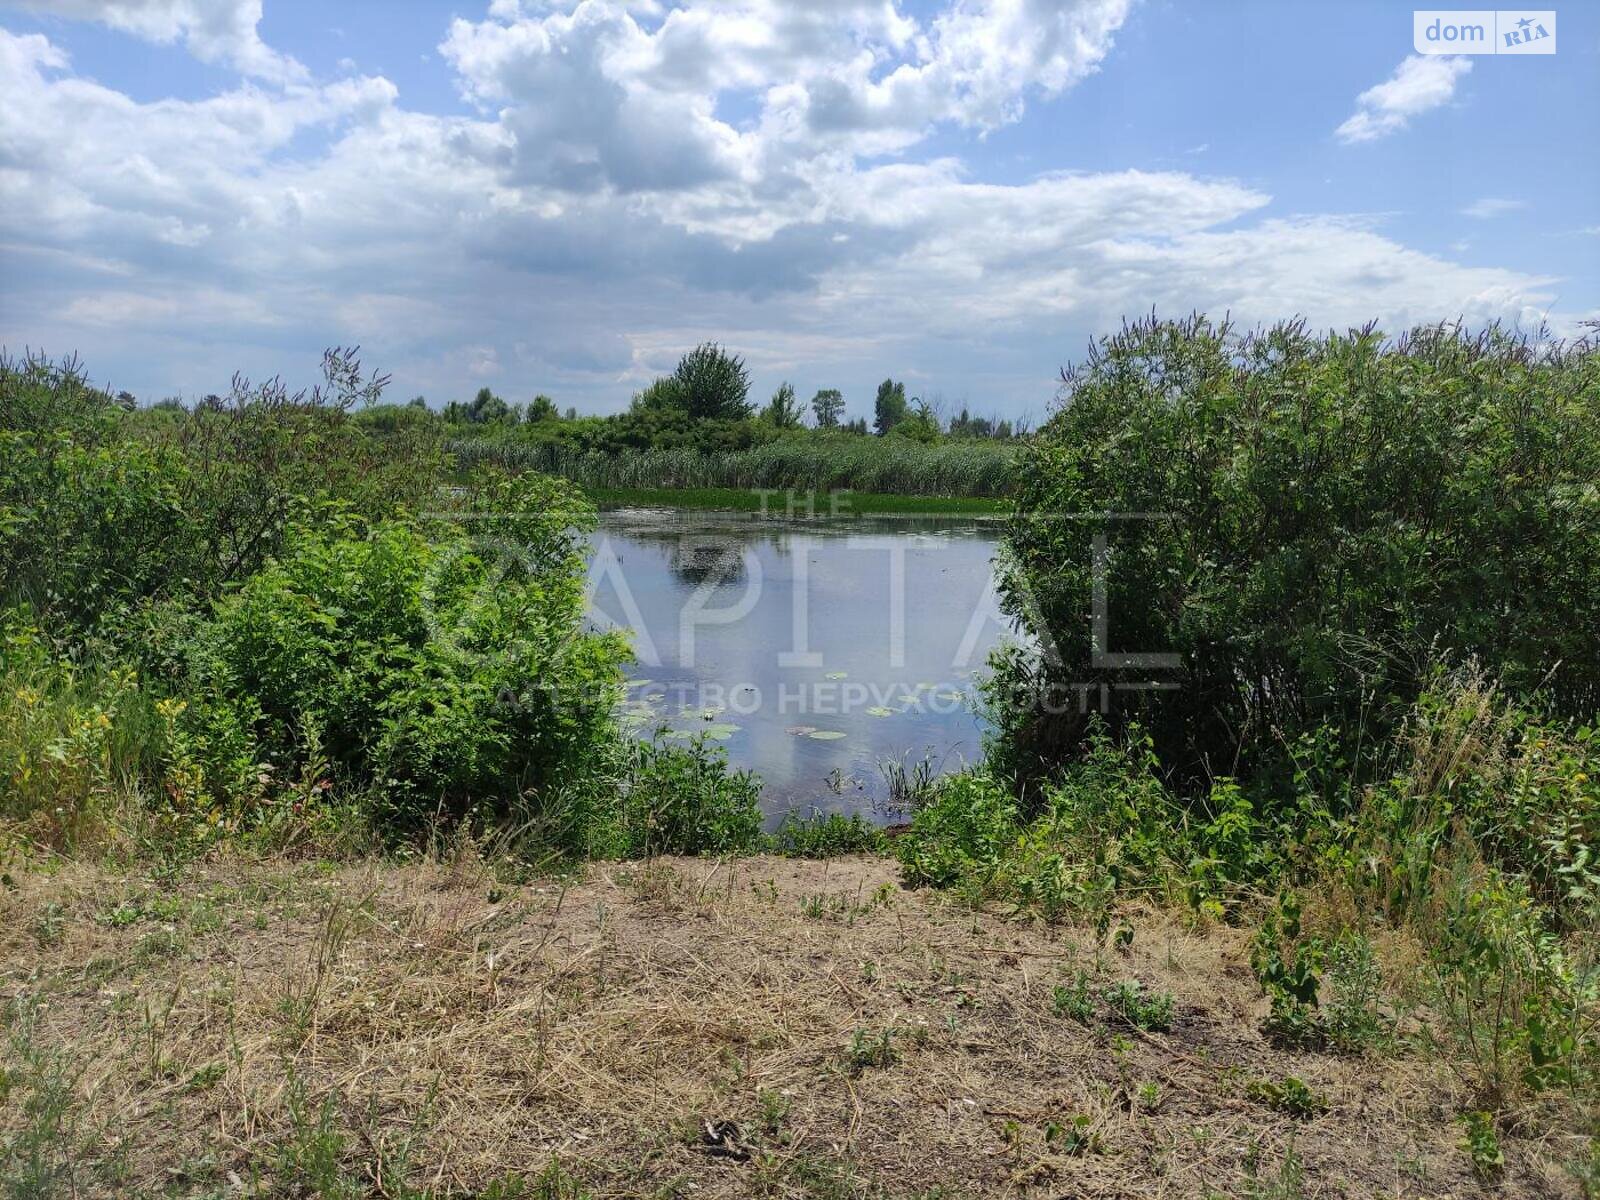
<point>813,650</point>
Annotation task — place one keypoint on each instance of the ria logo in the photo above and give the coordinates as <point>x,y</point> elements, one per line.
<point>1484,31</point>
<point>1527,31</point>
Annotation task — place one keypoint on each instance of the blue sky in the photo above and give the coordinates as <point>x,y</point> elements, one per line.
<point>562,196</point>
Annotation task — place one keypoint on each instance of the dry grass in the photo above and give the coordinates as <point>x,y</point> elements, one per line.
<point>684,1027</point>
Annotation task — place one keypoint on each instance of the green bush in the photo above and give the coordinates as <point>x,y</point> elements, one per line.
<point>103,510</point>
<point>961,835</point>
<point>438,675</point>
<point>1335,513</point>
<point>825,835</point>
<point>66,758</point>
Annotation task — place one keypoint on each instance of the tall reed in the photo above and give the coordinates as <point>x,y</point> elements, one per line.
<point>864,464</point>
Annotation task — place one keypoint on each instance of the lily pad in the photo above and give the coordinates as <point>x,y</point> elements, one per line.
<point>801,730</point>
<point>877,710</point>
<point>825,735</point>
<point>948,695</point>
<point>837,675</point>
<point>722,729</point>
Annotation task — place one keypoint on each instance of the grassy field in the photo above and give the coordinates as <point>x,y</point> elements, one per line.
<point>842,504</point>
<point>754,1027</point>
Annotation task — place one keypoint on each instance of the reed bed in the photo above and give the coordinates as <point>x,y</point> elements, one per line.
<point>863,464</point>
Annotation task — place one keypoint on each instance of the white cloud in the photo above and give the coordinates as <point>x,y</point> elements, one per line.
<point>1419,83</point>
<point>1492,206</point>
<point>604,209</point>
<point>611,94</point>
<point>214,31</point>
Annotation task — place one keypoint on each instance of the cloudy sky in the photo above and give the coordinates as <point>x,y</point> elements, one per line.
<point>562,195</point>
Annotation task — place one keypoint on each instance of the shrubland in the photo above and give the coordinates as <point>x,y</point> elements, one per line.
<point>1377,565</point>
<point>263,619</point>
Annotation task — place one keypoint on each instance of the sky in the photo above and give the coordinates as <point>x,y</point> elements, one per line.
<point>562,196</point>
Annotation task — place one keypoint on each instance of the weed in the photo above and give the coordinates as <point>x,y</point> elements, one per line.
<point>1144,1010</point>
<point>825,835</point>
<point>1076,1136</point>
<point>1291,1097</point>
<point>1286,966</point>
<point>1482,1144</point>
<point>40,1157</point>
<point>1075,1000</point>
<point>48,926</point>
<point>1351,1019</point>
<point>871,1050</point>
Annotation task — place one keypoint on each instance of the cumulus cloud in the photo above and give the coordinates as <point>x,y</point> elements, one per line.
<point>214,31</point>
<point>602,209</point>
<point>1419,83</point>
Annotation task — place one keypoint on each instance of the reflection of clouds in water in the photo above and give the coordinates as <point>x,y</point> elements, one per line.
<point>745,565</point>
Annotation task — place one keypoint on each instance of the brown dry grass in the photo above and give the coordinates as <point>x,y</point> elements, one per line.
<point>460,1029</point>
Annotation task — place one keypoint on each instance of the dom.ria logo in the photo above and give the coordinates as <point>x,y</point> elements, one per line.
<point>1484,31</point>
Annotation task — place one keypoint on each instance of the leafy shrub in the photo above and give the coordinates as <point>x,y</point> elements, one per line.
<point>437,676</point>
<point>101,510</point>
<point>66,760</point>
<point>1526,791</point>
<point>1517,1013</point>
<point>962,833</point>
<point>1343,509</point>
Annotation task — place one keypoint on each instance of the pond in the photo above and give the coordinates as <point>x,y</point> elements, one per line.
<point>814,650</point>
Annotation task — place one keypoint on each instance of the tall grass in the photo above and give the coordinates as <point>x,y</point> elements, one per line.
<point>892,465</point>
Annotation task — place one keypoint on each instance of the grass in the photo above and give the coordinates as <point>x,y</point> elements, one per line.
<point>802,504</point>
<point>885,466</point>
<point>680,1027</point>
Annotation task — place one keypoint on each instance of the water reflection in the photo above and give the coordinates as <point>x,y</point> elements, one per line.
<point>813,650</point>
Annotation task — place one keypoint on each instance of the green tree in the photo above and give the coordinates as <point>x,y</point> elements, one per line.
<point>712,384</point>
<point>889,409</point>
<point>487,408</point>
<point>660,395</point>
<point>921,424</point>
<point>783,411</point>
<point>542,408</point>
<point>827,406</point>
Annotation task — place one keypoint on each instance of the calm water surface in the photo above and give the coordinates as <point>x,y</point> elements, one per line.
<point>812,650</point>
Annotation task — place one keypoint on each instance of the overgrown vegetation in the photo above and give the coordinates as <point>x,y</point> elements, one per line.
<point>263,618</point>
<point>1359,582</point>
<point>1374,565</point>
